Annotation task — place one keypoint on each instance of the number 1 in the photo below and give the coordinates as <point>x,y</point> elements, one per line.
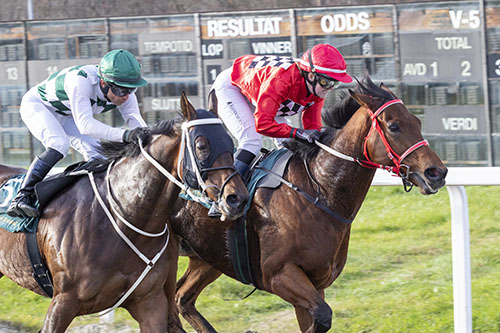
<point>434,66</point>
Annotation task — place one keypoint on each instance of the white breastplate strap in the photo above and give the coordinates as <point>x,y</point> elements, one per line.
<point>149,262</point>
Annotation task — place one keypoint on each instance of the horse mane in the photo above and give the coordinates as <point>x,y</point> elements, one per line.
<point>113,150</point>
<point>337,116</point>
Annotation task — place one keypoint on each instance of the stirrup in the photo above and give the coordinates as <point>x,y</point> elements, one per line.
<point>21,207</point>
<point>29,210</point>
<point>214,211</point>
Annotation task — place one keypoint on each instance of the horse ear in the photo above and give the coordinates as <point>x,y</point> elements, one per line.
<point>386,88</point>
<point>363,100</point>
<point>187,108</point>
<point>212,102</point>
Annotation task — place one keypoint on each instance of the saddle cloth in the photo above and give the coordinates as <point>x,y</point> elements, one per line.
<point>8,192</point>
<point>44,190</point>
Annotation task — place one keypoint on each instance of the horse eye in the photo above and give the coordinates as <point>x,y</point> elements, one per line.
<point>394,127</point>
<point>201,145</point>
<point>202,148</point>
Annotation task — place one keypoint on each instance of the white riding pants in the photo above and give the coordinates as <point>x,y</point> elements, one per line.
<point>236,111</point>
<point>54,130</point>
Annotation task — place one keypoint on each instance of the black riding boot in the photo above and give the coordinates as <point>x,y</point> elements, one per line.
<point>24,203</point>
<point>242,160</point>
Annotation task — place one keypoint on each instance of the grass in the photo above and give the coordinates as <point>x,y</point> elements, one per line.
<point>398,276</point>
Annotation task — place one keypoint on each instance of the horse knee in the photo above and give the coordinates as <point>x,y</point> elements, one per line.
<point>322,317</point>
<point>183,302</point>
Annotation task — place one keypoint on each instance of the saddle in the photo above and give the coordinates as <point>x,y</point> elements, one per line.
<point>52,185</point>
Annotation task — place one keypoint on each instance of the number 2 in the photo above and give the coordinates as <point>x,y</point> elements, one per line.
<point>466,68</point>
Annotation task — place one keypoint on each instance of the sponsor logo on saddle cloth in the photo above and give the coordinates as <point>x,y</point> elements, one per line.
<point>8,191</point>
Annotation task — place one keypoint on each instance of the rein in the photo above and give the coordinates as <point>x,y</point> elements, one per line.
<point>306,195</point>
<point>399,169</point>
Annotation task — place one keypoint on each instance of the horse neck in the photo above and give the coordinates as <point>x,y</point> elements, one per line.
<point>140,190</point>
<point>345,183</point>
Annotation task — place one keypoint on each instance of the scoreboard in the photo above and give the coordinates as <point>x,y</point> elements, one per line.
<point>441,58</point>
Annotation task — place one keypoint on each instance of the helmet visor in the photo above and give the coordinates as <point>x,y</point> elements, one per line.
<point>327,82</point>
<point>120,91</point>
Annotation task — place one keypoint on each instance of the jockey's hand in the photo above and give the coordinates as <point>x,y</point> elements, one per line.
<point>133,135</point>
<point>306,135</point>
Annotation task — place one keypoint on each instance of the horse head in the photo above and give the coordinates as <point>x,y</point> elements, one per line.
<point>194,152</point>
<point>207,161</point>
<point>394,140</point>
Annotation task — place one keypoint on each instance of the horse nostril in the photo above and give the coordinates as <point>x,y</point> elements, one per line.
<point>234,200</point>
<point>435,174</point>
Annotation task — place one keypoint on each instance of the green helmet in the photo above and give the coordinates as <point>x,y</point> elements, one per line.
<point>121,68</point>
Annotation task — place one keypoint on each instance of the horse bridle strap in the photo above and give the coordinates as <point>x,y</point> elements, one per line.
<point>393,156</point>
<point>171,177</point>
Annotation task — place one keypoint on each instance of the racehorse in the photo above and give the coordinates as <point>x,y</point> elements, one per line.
<point>111,245</point>
<point>298,247</point>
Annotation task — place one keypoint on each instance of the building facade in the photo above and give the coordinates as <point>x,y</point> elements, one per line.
<point>441,59</point>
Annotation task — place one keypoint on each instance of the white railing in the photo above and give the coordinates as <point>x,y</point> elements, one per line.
<point>455,181</point>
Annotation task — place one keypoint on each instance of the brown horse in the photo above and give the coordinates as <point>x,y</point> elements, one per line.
<point>95,263</point>
<point>297,248</point>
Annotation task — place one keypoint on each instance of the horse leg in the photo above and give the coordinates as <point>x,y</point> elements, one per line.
<point>293,285</point>
<point>303,315</point>
<point>198,275</point>
<point>150,312</point>
<point>62,310</point>
<point>174,322</point>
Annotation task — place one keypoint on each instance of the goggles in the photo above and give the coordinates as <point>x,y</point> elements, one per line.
<point>327,82</point>
<point>120,91</point>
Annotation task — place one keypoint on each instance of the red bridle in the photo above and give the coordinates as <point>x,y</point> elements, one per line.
<point>393,156</point>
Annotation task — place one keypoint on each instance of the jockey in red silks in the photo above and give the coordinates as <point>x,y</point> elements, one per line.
<point>258,92</point>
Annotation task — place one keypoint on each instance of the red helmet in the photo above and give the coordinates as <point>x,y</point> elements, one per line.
<point>325,59</point>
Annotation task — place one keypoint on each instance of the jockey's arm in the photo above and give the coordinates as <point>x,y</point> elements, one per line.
<point>79,96</point>
<point>311,118</point>
<point>131,114</point>
<point>267,106</point>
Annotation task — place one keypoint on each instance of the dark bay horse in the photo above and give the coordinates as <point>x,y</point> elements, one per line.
<point>95,263</point>
<point>298,249</point>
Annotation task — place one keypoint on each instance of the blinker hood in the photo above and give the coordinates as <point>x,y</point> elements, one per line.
<point>219,143</point>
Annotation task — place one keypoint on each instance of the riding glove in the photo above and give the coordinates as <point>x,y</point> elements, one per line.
<point>133,135</point>
<point>305,135</point>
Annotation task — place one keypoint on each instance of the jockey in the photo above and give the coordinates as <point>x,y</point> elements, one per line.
<point>59,112</point>
<point>277,87</point>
